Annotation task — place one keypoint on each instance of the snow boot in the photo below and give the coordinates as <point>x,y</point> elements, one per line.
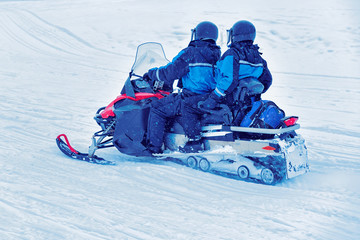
<point>192,147</point>
<point>154,149</point>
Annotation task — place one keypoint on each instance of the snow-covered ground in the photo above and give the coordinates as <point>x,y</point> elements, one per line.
<point>62,60</point>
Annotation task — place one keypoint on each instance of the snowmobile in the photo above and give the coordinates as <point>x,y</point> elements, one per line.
<point>255,151</point>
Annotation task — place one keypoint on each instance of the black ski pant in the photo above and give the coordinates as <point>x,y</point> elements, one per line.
<point>191,116</point>
<point>160,111</point>
<point>170,107</point>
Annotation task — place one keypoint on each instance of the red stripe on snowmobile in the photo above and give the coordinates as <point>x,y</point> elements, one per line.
<point>108,111</point>
<point>68,143</point>
<point>269,148</point>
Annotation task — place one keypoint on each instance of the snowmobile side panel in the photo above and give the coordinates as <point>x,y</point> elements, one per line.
<point>246,147</point>
<point>214,128</point>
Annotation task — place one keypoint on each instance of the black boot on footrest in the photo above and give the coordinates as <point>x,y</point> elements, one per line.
<point>192,147</point>
<point>154,149</point>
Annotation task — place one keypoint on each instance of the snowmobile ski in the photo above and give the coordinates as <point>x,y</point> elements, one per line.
<point>68,150</point>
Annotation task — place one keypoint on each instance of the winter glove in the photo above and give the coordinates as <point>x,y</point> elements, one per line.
<point>156,84</point>
<point>211,102</point>
<point>146,77</point>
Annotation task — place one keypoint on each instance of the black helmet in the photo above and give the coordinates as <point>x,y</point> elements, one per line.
<point>242,31</point>
<point>204,30</point>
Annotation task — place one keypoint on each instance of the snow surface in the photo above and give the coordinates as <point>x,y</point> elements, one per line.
<point>62,60</point>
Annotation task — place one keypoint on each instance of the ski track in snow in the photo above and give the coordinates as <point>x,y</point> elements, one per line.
<point>61,61</point>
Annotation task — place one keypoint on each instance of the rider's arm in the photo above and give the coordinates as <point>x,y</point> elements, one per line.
<point>266,78</point>
<point>226,73</point>
<point>177,68</point>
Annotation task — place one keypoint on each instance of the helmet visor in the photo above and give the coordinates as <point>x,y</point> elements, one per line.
<point>229,36</point>
<point>193,33</point>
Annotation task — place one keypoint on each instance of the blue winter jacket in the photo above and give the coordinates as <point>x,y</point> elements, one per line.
<point>194,66</point>
<point>242,60</point>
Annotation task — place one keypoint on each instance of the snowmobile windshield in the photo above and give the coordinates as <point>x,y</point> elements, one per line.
<point>148,55</point>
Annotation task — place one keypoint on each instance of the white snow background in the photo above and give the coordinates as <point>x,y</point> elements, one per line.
<point>62,60</point>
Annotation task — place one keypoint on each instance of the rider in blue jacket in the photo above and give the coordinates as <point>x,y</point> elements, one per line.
<point>194,66</point>
<point>241,61</point>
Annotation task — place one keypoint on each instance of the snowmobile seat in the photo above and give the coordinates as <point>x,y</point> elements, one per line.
<point>250,86</point>
<point>244,95</point>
